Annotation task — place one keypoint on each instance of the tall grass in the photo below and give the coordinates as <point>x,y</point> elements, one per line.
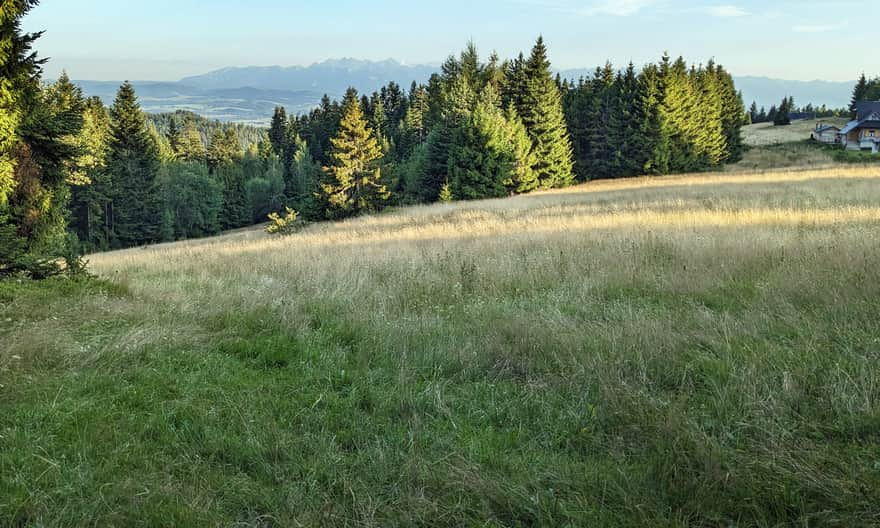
<point>683,351</point>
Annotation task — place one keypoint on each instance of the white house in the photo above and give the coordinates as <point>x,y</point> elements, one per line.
<point>826,133</point>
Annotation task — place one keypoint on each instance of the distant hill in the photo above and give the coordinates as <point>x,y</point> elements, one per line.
<point>249,94</point>
<point>769,92</point>
<point>241,105</point>
<point>332,76</point>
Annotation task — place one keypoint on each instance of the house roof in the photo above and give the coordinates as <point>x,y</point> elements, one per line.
<point>864,109</point>
<point>852,125</point>
<point>871,120</point>
<point>826,128</point>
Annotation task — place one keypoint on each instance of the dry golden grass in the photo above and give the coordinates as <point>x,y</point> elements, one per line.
<point>676,206</point>
<point>764,134</point>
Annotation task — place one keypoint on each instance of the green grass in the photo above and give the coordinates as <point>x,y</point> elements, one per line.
<point>693,376</point>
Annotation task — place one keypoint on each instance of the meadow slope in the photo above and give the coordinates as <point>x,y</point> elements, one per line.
<point>684,351</point>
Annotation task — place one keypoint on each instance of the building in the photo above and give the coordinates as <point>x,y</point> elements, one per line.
<point>863,133</point>
<point>826,133</point>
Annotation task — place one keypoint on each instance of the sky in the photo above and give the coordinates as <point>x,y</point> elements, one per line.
<point>170,39</point>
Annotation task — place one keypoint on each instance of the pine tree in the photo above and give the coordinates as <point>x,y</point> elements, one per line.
<point>354,182</point>
<point>132,163</point>
<point>542,115</point>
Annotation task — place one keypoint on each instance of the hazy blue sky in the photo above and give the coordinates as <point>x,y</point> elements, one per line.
<point>168,39</point>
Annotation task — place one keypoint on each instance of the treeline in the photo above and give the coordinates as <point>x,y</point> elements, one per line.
<point>163,179</point>
<point>488,129</point>
<point>169,124</point>
<point>782,114</point>
<point>787,110</point>
<point>668,117</point>
<point>119,178</point>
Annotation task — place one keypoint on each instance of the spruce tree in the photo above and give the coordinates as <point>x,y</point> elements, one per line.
<point>517,84</point>
<point>782,117</point>
<point>733,115</point>
<point>634,140</point>
<point>541,113</point>
<point>278,131</point>
<point>354,178</point>
<point>521,177</point>
<point>38,152</point>
<point>225,148</point>
<point>304,188</point>
<point>859,94</point>
<point>480,161</point>
<point>189,144</point>
<point>605,128</point>
<point>90,199</point>
<point>132,164</point>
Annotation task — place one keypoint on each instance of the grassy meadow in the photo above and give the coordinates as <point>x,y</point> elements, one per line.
<point>696,350</point>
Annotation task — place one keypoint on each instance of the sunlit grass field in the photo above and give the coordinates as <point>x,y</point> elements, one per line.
<point>686,351</point>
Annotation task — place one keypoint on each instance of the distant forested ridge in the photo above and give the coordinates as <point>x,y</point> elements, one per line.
<point>167,122</point>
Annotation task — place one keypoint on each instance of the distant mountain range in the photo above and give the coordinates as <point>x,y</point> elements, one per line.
<point>249,94</point>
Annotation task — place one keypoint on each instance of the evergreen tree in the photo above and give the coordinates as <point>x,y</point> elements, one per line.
<point>225,148</point>
<point>414,127</point>
<point>90,197</point>
<point>605,129</point>
<point>37,151</point>
<point>278,135</point>
<point>782,117</point>
<point>304,187</point>
<point>479,158</point>
<point>733,115</point>
<point>860,93</point>
<point>517,84</point>
<point>191,201</point>
<point>354,182</point>
<point>541,113</point>
<point>235,209</point>
<point>189,146</point>
<point>655,156</point>
<point>132,164</point>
